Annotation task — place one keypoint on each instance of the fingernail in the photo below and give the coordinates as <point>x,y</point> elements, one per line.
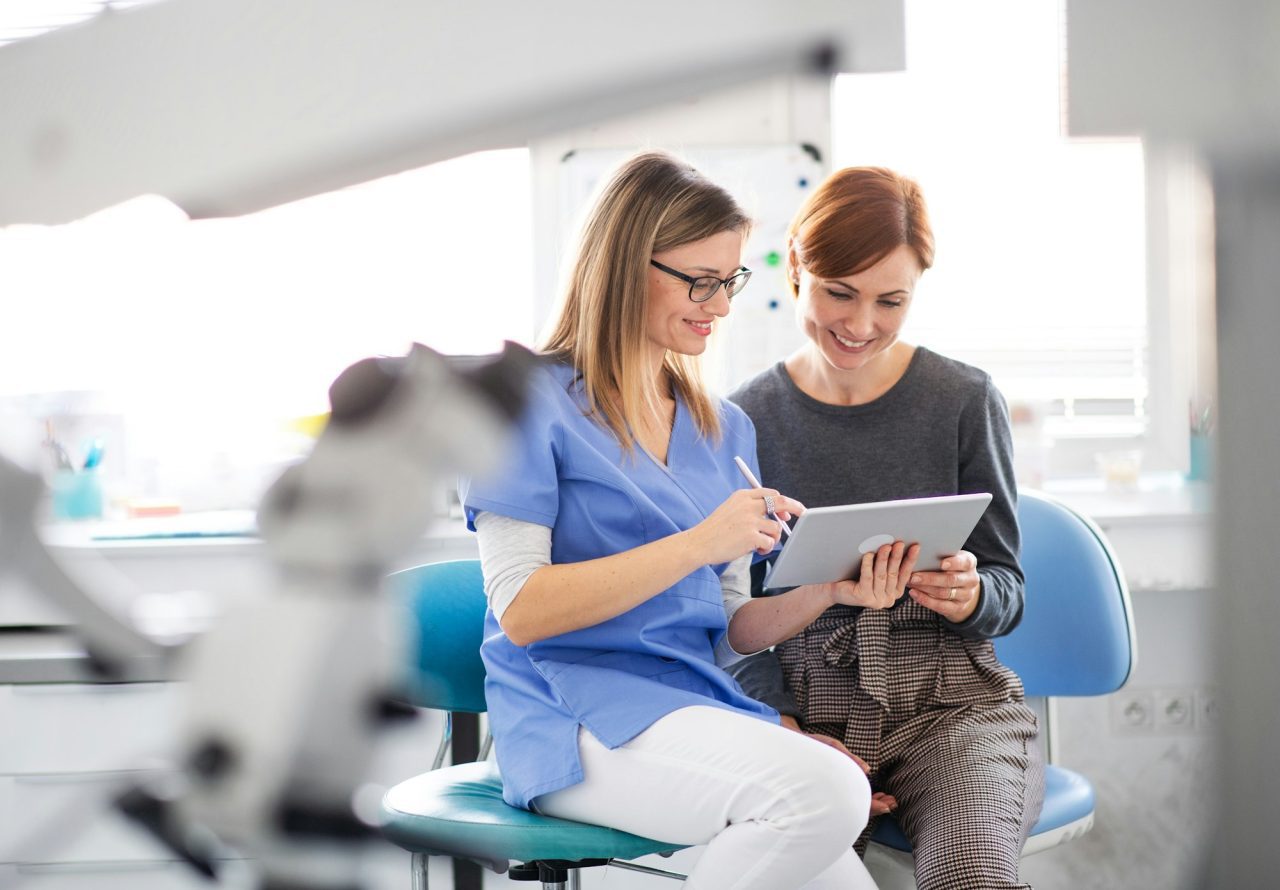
<point>946,566</point>
<point>915,579</point>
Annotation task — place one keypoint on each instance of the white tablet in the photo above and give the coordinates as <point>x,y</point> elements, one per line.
<point>827,543</point>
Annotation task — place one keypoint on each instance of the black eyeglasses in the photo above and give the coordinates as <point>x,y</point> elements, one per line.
<point>704,287</point>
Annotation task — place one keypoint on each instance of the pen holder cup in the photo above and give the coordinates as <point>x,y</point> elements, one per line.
<point>77,495</point>
<point>1201,465</point>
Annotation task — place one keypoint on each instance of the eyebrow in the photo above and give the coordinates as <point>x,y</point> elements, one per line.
<point>854,290</point>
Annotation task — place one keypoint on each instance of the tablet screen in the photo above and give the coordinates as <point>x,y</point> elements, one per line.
<point>827,543</point>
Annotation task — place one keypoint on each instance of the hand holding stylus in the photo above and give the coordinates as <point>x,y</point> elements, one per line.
<point>768,502</point>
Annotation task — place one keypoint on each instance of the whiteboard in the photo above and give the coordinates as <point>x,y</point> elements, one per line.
<point>770,182</point>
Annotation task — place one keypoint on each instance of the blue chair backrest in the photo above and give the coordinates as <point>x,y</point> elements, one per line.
<point>1076,635</point>
<point>447,604</point>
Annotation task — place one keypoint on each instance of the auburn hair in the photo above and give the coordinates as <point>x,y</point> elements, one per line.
<point>854,219</point>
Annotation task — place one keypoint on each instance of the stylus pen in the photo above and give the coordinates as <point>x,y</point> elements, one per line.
<point>755,483</point>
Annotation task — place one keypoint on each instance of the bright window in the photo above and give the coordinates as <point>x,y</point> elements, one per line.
<point>191,344</point>
<point>1039,275</point>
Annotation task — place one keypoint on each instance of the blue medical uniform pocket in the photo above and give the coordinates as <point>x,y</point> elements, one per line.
<point>627,662</point>
<point>597,518</point>
<point>641,686</point>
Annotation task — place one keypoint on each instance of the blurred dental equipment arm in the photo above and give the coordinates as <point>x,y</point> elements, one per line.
<point>227,107</point>
<point>287,693</point>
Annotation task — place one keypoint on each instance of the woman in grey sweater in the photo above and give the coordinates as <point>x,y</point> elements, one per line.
<point>911,686</point>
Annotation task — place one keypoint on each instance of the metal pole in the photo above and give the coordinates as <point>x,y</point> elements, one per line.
<point>418,868</point>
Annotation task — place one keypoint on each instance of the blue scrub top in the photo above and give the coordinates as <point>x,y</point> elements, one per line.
<point>616,678</point>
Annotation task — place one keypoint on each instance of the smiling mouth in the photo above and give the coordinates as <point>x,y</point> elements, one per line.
<point>850,344</point>
<point>702,327</point>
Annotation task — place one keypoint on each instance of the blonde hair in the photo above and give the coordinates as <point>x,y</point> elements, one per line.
<point>652,203</point>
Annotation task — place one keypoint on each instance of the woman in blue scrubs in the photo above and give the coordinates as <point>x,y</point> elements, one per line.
<point>616,545</point>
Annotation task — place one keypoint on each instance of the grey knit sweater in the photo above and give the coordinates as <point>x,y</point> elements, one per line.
<point>942,429</point>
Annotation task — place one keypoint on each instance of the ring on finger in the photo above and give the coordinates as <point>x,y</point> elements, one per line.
<point>951,594</point>
<point>768,504</point>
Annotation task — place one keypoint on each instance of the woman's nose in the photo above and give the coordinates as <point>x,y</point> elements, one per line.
<point>859,321</point>
<point>720,304</point>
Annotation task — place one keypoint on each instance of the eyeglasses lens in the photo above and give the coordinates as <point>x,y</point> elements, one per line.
<point>703,289</point>
<point>736,283</point>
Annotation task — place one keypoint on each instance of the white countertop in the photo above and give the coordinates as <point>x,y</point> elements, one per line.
<point>1156,499</point>
<point>225,531</point>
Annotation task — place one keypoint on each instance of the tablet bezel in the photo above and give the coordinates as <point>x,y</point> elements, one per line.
<point>824,543</point>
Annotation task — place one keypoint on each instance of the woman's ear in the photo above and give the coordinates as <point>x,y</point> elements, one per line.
<point>793,265</point>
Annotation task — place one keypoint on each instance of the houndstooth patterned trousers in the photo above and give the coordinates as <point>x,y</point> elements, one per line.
<point>943,726</point>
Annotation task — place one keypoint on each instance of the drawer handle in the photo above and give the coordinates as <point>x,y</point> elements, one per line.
<point>37,690</point>
<point>80,778</point>
<point>44,868</point>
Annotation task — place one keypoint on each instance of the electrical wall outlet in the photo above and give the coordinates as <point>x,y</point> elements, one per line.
<point>1133,711</point>
<point>1167,710</point>
<point>1175,710</point>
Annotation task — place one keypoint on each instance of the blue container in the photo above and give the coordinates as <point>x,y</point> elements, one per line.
<point>1201,464</point>
<point>77,495</point>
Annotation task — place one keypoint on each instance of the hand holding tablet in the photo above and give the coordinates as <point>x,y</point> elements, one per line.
<point>827,543</point>
<point>952,592</point>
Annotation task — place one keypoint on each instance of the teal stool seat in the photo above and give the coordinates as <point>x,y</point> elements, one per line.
<point>1068,812</point>
<point>459,811</point>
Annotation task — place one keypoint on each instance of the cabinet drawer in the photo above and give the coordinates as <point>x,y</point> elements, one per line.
<point>70,818</point>
<point>63,728</point>
<point>1163,555</point>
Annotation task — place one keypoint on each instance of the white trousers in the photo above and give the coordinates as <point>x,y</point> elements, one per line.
<point>776,810</point>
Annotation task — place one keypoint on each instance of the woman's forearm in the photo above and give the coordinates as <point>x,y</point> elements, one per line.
<point>768,620</point>
<point>564,597</point>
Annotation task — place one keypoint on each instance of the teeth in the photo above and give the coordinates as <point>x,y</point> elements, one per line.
<point>701,325</point>
<point>851,343</point>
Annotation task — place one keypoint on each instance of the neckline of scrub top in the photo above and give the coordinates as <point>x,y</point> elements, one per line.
<point>672,440</point>
<point>680,426</point>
